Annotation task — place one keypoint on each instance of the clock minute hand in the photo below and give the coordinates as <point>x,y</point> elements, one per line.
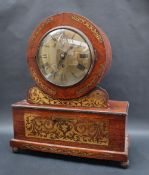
<point>62,58</point>
<point>63,55</point>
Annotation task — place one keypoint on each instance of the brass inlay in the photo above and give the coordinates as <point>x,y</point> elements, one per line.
<point>67,151</point>
<point>67,129</point>
<point>89,26</point>
<point>64,151</point>
<point>96,99</point>
<point>38,30</point>
<point>39,82</point>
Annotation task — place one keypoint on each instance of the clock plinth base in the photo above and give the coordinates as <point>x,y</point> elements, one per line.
<point>89,132</point>
<point>121,157</point>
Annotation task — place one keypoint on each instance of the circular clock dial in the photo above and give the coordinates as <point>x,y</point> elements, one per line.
<point>65,56</point>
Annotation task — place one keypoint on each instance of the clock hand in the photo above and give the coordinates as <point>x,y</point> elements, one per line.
<point>73,36</point>
<point>64,55</point>
<point>62,58</point>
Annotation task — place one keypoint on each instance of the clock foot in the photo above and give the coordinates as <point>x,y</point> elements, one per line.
<point>15,149</point>
<point>124,164</point>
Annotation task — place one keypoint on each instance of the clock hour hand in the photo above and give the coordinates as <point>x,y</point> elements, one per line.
<point>62,58</point>
<point>63,55</point>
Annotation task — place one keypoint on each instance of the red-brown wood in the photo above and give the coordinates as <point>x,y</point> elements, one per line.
<point>92,132</point>
<point>73,151</point>
<point>116,116</point>
<point>99,41</point>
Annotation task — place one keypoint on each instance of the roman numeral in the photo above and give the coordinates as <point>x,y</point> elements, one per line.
<point>44,56</point>
<point>83,55</point>
<point>80,66</point>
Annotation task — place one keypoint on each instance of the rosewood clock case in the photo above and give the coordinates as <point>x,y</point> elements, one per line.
<point>77,120</point>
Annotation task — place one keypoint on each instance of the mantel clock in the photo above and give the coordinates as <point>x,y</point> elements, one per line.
<point>65,112</point>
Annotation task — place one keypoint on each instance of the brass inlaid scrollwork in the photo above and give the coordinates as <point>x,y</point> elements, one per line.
<point>89,26</point>
<point>38,30</point>
<point>38,81</point>
<point>67,129</point>
<point>96,99</point>
<point>58,150</point>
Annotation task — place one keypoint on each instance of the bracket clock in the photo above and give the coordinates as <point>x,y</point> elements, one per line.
<point>65,113</point>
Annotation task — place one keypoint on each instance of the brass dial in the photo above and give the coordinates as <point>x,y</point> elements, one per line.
<point>65,56</point>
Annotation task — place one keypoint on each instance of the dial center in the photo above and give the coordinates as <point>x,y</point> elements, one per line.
<point>62,55</point>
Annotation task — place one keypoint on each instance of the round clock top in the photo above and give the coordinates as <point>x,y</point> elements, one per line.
<point>68,55</point>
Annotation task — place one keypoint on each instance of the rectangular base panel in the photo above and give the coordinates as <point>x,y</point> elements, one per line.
<point>69,150</point>
<point>84,132</point>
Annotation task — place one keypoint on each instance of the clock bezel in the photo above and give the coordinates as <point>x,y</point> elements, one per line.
<point>92,52</point>
<point>98,40</point>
